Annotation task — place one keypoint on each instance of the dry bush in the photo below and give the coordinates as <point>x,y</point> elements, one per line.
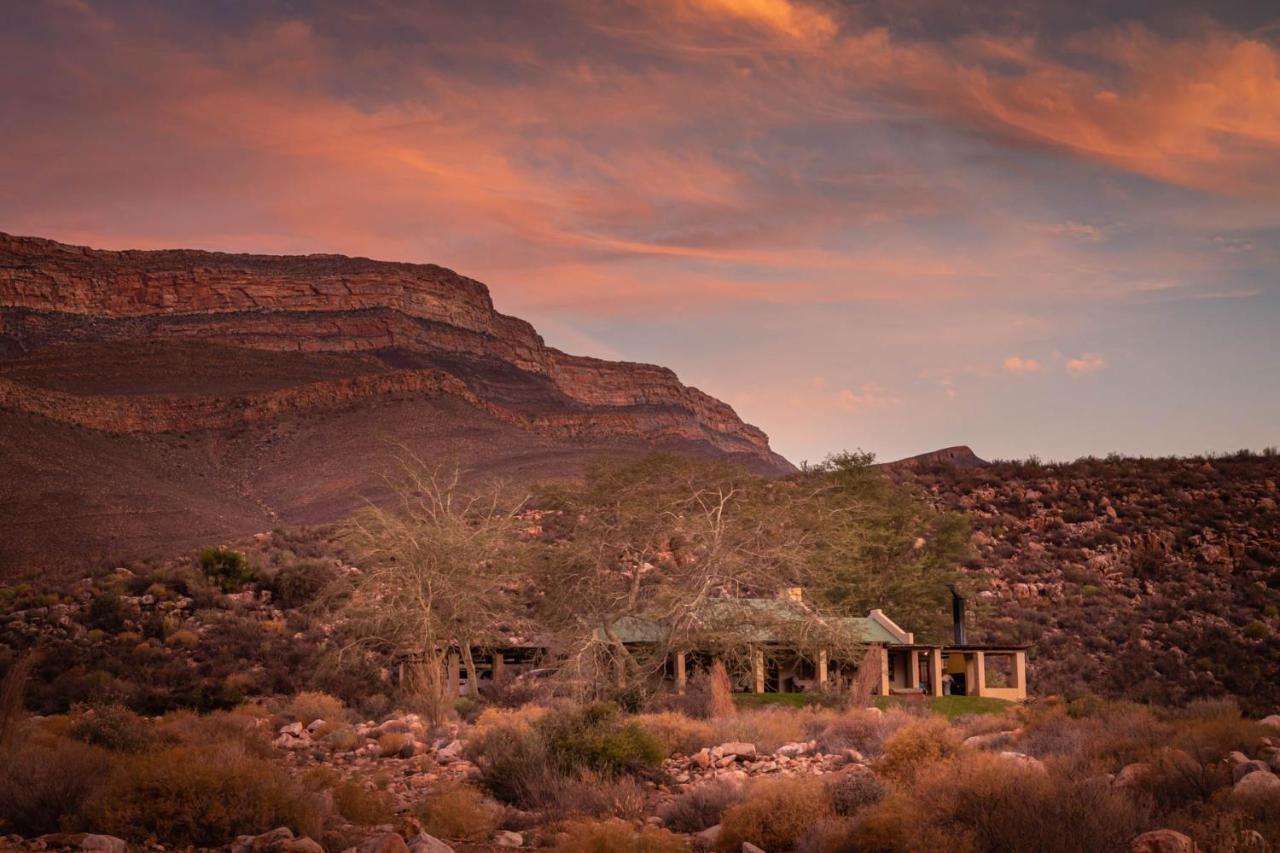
<point>341,738</point>
<point>863,730</point>
<point>865,680</point>
<point>459,812</point>
<point>513,760</point>
<point>200,796</point>
<point>45,780</point>
<point>239,727</point>
<point>916,746</point>
<point>394,743</point>
<point>719,692</point>
<point>896,825</point>
<point>12,689</point>
<point>309,706</point>
<point>854,791</point>
<point>360,805</point>
<point>700,806</point>
<point>594,795</point>
<point>114,727</point>
<point>616,836</point>
<point>775,815</point>
<point>1007,807</point>
<point>678,734</point>
<point>767,728</point>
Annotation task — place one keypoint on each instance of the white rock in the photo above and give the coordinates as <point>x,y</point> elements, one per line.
<point>423,843</point>
<point>1272,722</point>
<point>1262,782</point>
<point>507,838</point>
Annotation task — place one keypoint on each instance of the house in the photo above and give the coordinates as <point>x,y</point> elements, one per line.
<point>782,645</point>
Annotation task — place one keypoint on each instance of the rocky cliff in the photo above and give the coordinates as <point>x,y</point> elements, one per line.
<point>168,397</point>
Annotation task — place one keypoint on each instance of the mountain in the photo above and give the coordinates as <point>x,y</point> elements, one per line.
<point>960,456</point>
<point>1156,579</point>
<point>159,400</point>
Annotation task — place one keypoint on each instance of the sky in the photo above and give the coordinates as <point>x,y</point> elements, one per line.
<point>1046,228</point>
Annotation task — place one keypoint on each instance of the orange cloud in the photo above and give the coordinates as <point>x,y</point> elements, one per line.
<point>1017,365</point>
<point>1087,363</point>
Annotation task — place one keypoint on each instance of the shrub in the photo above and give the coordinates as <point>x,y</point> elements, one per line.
<point>513,761</point>
<point>200,796</point>
<point>593,737</point>
<point>44,780</point>
<point>677,733</point>
<point>865,730</point>
<point>616,836</point>
<point>299,583</point>
<point>360,805</point>
<point>854,791</point>
<point>920,744</point>
<point>701,806</point>
<point>775,815</point>
<point>226,567</point>
<point>307,707</point>
<point>594,795</point>
<point>108,612</point>
<point>459,812</point>
<point>395,743</point>
<point>111,726</point>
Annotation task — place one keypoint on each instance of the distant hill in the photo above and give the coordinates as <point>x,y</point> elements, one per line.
<point>959,456</point>
<point>161,400</point>
<point>1157,579</point>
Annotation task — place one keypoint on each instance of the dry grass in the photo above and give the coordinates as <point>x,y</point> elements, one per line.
<point>703,805</point>
<point>678,734</point>
<point>776,814</point>
<point>459,812</point>
<point>917,746</point>
<point>616,836</point>
<point>309,706</point>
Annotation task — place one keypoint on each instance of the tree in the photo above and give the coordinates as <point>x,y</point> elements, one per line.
<point>880,546</point>
<point>439,572</point>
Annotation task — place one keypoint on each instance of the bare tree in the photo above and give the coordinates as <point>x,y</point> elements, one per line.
<point>439,570</point>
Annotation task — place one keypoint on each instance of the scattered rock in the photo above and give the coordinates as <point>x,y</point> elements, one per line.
<point>1131,774</point>
<point>709,836</point>
<point>748,847</point>
<point>385,842</point>
<point>424,843</point>
<point>1024,760</point>
<point>1255,784</point>
<point>1271,722</point>
<point>507,838</point>
<point>1245,768</point>
<point>1162,841</point>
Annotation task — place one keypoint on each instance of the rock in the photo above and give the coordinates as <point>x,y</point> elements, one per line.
<point>1130,774</point>
<point>1245,768</point>
<point>450,752</point>
<point>1162,841</point>
<point>1024,760</point>
<point>1255,784</point>
<point>302,844</point>
<point>294,729</point>
<point>992,740</point>
<point>735,749</point>
<point>84,841</point>
<point>507,838</point>
<point>748,847</point>
<point>1251,841</point>
<point>791,750</point>
<point>1236,757</point>
<point>424,843</point>
<point>709,836</point>
<point>1271,722</point>
<point>384,842</point>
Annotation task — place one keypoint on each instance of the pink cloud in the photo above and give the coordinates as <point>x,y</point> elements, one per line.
<point>1087,363</point>
<point>1018,366</point>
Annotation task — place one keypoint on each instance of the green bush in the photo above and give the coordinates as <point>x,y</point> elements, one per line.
<point>593,737</point>
<point>107,612</point>
<point>298,584</point>
<point>226,567</point>
<point>112,726</point>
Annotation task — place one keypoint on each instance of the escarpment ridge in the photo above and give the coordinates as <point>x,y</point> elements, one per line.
<point>244,376</point>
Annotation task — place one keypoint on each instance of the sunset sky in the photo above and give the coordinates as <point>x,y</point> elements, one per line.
<point>887,225</point>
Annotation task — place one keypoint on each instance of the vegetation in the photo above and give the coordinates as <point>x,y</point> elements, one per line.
<point>226,567</point>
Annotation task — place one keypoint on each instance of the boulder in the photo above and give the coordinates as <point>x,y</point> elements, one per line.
<point>710,836</point>
<point>1271,722</point>
<point>1131,774</point>
<point>103,843</point>
<point>383,842</point>
<point>294,729</point>
<point>1021,759</point>
<point>1255,784</point>
<point>748,847</point>
<point>1235,757</point>
<point>1162,841</point>
<point>1245,768</point>
<point>791,750</point>
<point>992,740</point>
<point>735,749</point>
<point>450,751</point>
<point>507,838</point>
<point>424,843</point>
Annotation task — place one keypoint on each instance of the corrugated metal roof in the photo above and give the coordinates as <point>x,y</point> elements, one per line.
<point>761,620</point>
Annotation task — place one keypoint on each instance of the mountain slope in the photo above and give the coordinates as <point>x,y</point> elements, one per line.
<point>160,400</point>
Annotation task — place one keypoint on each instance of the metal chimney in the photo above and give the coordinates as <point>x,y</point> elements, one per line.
<point>957,615</point>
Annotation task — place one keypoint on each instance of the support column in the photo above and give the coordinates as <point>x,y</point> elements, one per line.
<point>758,670</point>
<point>936,665</point>
<point>1020,673</point>
<point>682,676</point>
<point>913,668</point>
<point>980,665</point>
<point>499,663</point>
<point>884,671</point>
<point>823,666</point>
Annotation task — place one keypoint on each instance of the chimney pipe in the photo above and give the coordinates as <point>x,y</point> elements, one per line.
<point>957,615</point>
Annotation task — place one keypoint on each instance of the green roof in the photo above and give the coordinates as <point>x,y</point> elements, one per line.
<point>762,620</point>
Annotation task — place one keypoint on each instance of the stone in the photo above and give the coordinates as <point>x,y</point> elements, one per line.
<point>991,740</point>
<point>1162,841</point>
<point>748,847</point>
<point>302,844</point>
<point>294,729</point>
<point>736,749</point>
<point>1245,768</point>
<point>383,842</point>
<point>1131,774</point>
<point>450,751</point>
<point>791,750</point>
<point>424,843</point>
<point>1024,760</point>
<point>1271,722</point>
<point>1235,757</point>
<point>709,836</point>
<point>1255,784</point>
<point>507,838</point>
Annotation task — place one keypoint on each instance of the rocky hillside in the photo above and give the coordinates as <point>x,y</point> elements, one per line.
<point>1150,578</point>
<point>156,399</point>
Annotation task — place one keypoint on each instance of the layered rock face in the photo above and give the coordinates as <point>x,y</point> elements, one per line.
<point>52,293</point>
<point>156,401</point>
